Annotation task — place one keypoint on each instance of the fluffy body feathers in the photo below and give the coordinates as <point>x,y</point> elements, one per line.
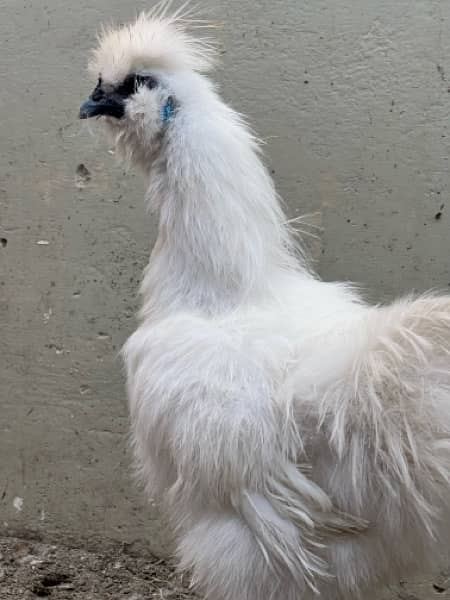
<point>298,438</point>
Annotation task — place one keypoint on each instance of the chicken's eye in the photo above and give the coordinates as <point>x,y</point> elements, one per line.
<point>133,82</point>
<point>146,80</point>
<point>127,87</point>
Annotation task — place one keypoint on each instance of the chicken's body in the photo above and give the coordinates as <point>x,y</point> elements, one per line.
<point>298,439</point>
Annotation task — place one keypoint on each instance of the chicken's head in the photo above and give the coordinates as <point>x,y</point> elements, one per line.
<point>142,69</point>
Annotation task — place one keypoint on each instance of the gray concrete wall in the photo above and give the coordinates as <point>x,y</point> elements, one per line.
<point>353,100</point>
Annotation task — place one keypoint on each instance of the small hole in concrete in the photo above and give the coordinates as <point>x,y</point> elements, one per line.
<point>40,591</point>
<point>3,242</point>
<point>54,579</point>
<point>83,171</point>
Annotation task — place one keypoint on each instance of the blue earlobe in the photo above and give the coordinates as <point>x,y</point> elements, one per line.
<point>167,110</point>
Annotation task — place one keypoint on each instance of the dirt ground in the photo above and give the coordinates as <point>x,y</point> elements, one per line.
<point>31,570</point>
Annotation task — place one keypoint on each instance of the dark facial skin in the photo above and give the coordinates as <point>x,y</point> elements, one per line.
<point>110,101</point>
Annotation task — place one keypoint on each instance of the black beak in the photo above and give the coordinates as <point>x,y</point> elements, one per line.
<point>111,105</point>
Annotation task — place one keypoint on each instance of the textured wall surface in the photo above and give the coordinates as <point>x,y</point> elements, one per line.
<point>352,98</point>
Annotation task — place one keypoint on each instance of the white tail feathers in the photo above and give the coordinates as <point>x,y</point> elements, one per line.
<point>388,417</point>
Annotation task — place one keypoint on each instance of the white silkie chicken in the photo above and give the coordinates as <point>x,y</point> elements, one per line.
<point>298,439</point>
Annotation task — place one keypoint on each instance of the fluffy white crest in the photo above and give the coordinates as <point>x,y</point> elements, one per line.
<point>154,41</point>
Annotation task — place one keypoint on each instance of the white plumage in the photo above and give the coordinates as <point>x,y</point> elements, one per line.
<point>298,439</point>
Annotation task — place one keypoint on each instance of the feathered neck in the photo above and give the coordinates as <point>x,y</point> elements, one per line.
<point>222,234</point>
